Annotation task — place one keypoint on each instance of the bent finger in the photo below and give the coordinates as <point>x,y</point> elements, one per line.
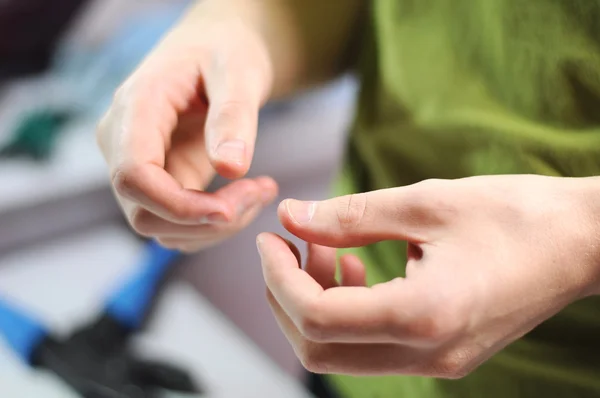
<point>346,314</point>
<point>353,271</point>
<point>361,359</point>
<point>321,265</point>
<point>235,95</point>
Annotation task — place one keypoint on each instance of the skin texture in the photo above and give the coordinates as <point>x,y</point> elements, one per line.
<point>489,259</point>
<point>190,111</point>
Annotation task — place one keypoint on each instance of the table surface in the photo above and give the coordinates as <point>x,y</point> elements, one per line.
<point>63,283</point>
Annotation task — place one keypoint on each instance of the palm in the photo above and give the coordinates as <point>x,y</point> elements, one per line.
<point>186,157</point>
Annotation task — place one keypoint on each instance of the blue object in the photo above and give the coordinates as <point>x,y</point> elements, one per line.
<point>21,333</point>
<point>129,305</point>
<point>95,74</point>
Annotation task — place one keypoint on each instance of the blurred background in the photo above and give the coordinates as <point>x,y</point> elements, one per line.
<point>65,249</point>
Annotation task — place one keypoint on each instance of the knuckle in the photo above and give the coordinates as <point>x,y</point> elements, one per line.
<point>312,358</point>
<point>313,325</point>
<point>123,91</point>
<point>453,365</point>
<point>351,211</point>
<point>125,179</point>
<point>182,211</point>
<point>426,328</point>
<point>435,328</point>
<point>141,221</point>
<point>430,183</point>
<point>133,95</point>
<point>432,202</point>
<point>311,328</point>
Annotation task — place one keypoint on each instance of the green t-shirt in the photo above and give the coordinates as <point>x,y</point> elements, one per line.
<point>455,88</point>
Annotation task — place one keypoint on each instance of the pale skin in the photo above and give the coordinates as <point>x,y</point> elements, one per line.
<point>489,257</point>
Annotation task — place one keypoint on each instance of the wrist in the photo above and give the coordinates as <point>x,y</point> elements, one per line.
<point>585,194</point>
<point>266,29</point>
<point>216,32</point>
<point>306,42</point>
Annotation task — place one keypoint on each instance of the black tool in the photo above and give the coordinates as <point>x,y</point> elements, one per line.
<point>97,363</point>
<point>96,360</point>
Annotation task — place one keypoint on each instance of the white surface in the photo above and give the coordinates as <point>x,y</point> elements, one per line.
<point>76,166</point>
<point>64,282</point>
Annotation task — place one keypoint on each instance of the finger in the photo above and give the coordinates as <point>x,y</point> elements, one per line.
<point>268,188</point>
<point>353,271</point>
<point>243,195</point>
<point>348,359</point>
<point>321,265</point>
<point>407,213</point>
<point>215,235</point>
<point>195,175</point>
<point>295,251</point>
<point>187,160</point>
<point>235,94</point>
<point>135,135</point>
<point>154,189</point>
<point>385,313</point>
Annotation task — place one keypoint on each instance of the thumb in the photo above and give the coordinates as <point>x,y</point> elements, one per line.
<point>360,219</point>
<point>235,93</point>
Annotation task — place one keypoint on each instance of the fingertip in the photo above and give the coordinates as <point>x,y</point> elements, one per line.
<point>231,158</point>
<point>230,170</point>
<point>262,246</point>
<point>265,241</point>
<point>267,183</point>
<point>260,241</point>
<point>268,188</point>
<point>284,214</point>
<point>271,245</point>
<point>295,217</point>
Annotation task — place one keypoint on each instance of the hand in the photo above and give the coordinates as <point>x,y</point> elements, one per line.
<point>190,111</point>
<point>489,258</point>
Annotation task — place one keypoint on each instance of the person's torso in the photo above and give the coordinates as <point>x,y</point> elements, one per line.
<point>454,88</point>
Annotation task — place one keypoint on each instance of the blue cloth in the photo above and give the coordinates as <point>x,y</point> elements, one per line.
<point>21,332</point>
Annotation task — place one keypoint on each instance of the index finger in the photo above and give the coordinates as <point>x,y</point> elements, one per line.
<point>386,313</point>
<point>135,135</point>
<point>154,189</point>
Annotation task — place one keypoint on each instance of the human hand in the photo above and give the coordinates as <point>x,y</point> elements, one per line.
<point>489,258</point>
<point>188,112</point>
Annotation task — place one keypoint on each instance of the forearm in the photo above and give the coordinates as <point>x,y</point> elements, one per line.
<point>306,41</point>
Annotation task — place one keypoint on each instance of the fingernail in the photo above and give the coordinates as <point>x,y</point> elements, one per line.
<point>259,242</point>
<point>301,212</point>
<point>213,218</point>
<point>232,151</point>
